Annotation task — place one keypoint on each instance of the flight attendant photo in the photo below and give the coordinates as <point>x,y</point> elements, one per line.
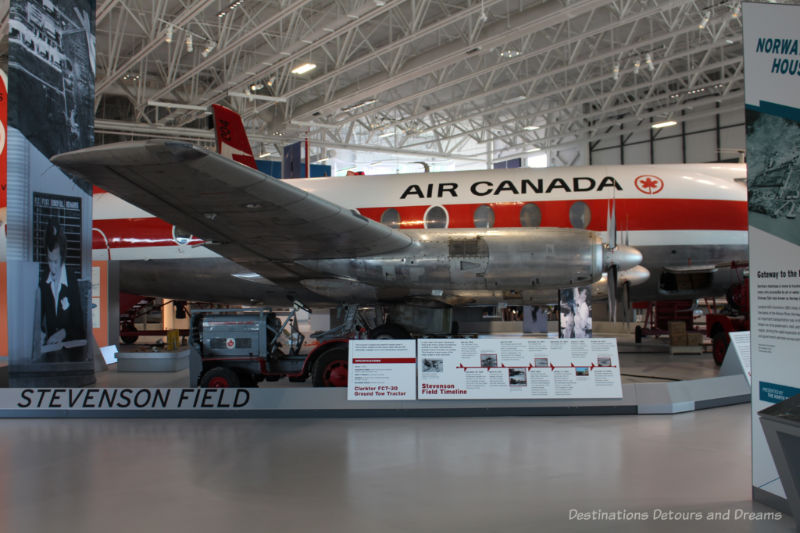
<point>62,322</point>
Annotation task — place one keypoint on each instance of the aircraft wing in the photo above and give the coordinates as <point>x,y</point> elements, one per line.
<point>249,217</point>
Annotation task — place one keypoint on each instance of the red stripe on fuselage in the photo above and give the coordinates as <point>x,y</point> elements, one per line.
<point>632,215</point>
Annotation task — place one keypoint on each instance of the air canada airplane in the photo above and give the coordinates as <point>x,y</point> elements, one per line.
<point>191,224</point>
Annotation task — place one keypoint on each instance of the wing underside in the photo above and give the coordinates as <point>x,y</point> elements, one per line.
<point>246,216</point>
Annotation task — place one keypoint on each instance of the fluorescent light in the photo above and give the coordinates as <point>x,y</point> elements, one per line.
<point>318,161</point>
<point>173,105</point>
<point>531,150</point>
<point>302,69</point>
<point>358,105</point>
<point>304,124</point>
<point>665,124</point>
<point>387,134</point>
<point>530,128</point>
<point>259,97</point>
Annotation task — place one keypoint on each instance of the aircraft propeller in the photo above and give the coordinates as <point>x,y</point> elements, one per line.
<point>617,257</point>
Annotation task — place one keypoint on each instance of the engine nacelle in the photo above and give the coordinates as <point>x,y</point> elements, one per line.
<point>486,259</point>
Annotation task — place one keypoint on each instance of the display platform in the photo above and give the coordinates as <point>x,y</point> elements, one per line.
<point>653,382</point>
<point>152,361</point>
<point>638,398</point>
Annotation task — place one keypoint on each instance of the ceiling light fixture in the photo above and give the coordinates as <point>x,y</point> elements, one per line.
<point>359,105</point>
<point>170,33</point>
<point>615,71</point>
<point>648,60</point>
<point>530,128</point>
<point>224,12</point>
<point>259,97</point>
<point>173,105</point>
<point>637,65</point>
<point>189,43</point>
<point>387,134</point>
<point>303,69</point>
<point>665,124</point>
<point>208,49</point>
<point>704,21</point>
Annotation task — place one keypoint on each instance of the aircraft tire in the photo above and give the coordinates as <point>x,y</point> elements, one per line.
<point>127,327</point>
<point>389,331</point>
<point>330,368</point>
<point>219,377</point>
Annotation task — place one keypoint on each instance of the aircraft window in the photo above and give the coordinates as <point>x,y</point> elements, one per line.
<point>530,216</point>
<point>580,215</point>
<point>391,218</point>
<point>180,236</point>
<point>483,217</point>
<point>435,217</point>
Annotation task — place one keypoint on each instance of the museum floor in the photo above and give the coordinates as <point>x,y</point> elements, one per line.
<point>372,475</point>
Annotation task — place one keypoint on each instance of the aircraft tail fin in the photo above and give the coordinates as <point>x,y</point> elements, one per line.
<point>232,140</point>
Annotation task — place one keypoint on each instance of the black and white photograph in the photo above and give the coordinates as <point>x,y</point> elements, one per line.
<point>432,365</point>
<point>541,362</point>
<point>773,179</point>
<point>603,361</point>
<point>489,360</point>
<point>60,302</point>
<point>576,313</point>
<point>517,377</point>
<point>51,62</point>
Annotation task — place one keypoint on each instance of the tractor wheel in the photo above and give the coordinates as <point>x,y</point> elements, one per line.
<point>219,377</point>
<point>330,369</point>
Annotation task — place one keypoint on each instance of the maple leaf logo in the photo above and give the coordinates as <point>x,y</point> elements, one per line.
<point>649,184</point>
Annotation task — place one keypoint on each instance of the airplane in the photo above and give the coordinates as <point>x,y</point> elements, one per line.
<point>203,226</point>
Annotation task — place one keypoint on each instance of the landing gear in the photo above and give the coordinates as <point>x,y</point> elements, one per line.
<point>128,327</point>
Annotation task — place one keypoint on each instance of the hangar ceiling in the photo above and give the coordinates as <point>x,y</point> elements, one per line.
<point>422,78</point>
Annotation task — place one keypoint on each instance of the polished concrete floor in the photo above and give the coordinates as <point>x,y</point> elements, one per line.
<point>373,475</point>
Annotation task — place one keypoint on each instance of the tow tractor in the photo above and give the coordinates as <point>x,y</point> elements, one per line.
<point>241,347</point>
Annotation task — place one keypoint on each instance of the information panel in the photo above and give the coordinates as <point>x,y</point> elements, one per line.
<point>517,368</point>
<point>740,341</point>
<point>382,370</point>
<point>771,34</point>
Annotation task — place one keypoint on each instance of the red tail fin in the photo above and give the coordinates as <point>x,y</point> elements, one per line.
<point>231,138</point>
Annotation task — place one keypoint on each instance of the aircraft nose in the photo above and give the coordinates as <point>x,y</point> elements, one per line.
<point>623,257</point>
